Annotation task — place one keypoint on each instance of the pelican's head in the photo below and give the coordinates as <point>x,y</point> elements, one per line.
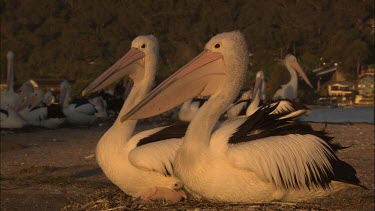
<point>219,69</point>
<point>27,89</point>
<point>10,55</point>
<point>259,78</point>
<point>259,75</point>
<point>291,61</point>
<point>144,52</point>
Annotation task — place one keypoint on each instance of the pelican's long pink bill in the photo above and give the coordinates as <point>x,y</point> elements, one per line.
<point>116,71</point>
<point>201,76</point>
<point>299,69</point>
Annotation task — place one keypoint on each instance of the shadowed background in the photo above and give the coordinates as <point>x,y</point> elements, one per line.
<point>78,40</point>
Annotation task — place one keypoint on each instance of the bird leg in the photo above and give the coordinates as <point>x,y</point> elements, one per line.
<point>160,193</point>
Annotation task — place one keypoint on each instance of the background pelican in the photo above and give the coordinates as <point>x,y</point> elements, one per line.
<point>37,113</point>
<point>79,112</point>
<point>141,164</point>
<point>286,106</point>
<point>256,158</point>
<point>189,109</point>
<point>10,119</point>
<point>289,90</point>
<point>9,98</point>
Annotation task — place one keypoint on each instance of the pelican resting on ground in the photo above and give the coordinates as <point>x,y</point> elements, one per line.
<point>10,119</point>
<point>259,158</point>
<point>79,112</point>
<point>289,90</point>
<point>9,99</point>
<point>37,113</point>
<point>141,164</point>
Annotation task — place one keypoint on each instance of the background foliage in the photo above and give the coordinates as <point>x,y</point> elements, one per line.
<point>79,39</point>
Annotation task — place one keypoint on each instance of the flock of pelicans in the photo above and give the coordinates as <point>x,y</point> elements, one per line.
<point>255,153</point>
<point>31,106</point>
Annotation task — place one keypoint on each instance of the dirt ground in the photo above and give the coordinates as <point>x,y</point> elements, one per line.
<point>53,170</point>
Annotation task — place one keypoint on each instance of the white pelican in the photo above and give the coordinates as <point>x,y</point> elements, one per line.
<point>289,90</point>
<point>141,165</point>
<point>9,98</point>
<point>25,92</point>
<point>189,109</point>
<point>290,108</point>
<point>79,112</point>
<point>38,113</point>
<point>256,158</point>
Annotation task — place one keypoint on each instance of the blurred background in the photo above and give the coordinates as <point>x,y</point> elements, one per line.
<point>78,39</point>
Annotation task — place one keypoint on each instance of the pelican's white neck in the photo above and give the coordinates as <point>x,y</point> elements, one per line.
<point>200,128</point>
<point>139,91</point>
<point>293,83</point>
<point>10,75</point>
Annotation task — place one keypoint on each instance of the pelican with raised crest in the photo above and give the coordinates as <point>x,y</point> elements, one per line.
<point>248,159</point>
<point>141,164</point>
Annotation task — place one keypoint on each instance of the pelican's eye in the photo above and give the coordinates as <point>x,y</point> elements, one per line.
<point>217,45</point>
<point>143,46</point>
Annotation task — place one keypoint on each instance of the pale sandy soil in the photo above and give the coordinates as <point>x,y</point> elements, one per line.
<point>47,170</point>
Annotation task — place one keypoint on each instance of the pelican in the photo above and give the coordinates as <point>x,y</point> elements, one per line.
<point>249,159</point>
<point>138,164</point>
<point>25,92</point>
<point>9,98</point>
<point>80,112</point>
<point>37,113</point>
<point>10,119</point>
<point>286,106</point>
<point>189,109</point>
<point>289,90</point>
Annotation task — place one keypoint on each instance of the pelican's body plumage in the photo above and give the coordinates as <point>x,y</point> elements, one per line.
<point>10,119</point>
<point>260,158</point>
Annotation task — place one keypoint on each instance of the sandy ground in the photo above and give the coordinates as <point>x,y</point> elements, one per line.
<point>52,170</point>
